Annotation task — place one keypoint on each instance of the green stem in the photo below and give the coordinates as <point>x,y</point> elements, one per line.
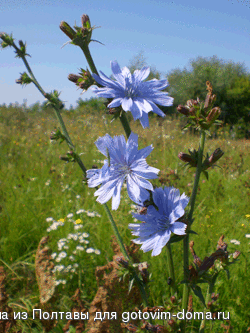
<point>186,288</point>
<point>126,256</point>
<point>92,66</point>
<point>89,59</point>
<point>125,123</point>
<point>171,269</point>
<point>203,322</point>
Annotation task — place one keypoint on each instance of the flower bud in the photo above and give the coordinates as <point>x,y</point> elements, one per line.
<point>85,21</point>
<point>209,101</point>
<point>21,43</point>
<point>70,157</point>
<point>192,102</point>
<point>7,40</point>
<point>66,28</point>
<point>217,154</point>
<point>84,80</point>
<point>74,78</point>
<point>213,115</point>
<point>188,159</point>
<point>183,110</point>
<point>24,79</point>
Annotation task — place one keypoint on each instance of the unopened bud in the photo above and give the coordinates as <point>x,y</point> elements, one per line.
<point>213,115</point>
<point>185,157</point>
<point>74,78</point>
<point>216,155</point>
<point>188,159</point>
<point>183,110</point>
<point>210,99</point>
<point>21,43</point>
<point>84,80</point>
<point>85,20</point>
<point>66,28</point>
<point>192,102</point>
<point>7,40</point>
<point>64,158</point>
<point>24,79</point>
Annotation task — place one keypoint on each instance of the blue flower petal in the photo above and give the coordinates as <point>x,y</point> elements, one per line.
<point>133,93</point>
<point>156,230</point>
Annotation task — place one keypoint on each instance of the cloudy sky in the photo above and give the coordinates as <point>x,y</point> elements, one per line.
<point>170,33</point>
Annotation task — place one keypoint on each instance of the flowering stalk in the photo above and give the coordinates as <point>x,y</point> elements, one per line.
<point>84,45</point>
<point>55,102</point>
<point>85,48</point>
<point>190,214</point>
<point>48,96</point>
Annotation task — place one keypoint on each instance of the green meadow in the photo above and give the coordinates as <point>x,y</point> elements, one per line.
<point>37,189</point>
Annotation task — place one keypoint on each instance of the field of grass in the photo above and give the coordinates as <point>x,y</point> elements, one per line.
<point>38,188</point>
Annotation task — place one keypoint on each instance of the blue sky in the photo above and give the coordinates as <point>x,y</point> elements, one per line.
<point>170,33</point>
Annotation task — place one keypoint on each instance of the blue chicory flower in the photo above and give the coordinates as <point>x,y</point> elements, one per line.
<point>156,230</point>
<point>132,93</point>
<point>126,163</point>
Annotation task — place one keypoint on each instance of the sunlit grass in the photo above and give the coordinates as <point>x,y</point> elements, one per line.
<point>37,185</point>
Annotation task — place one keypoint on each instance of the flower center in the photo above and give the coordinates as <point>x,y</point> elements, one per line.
<point>163,222</point>
<point>131,89</point>
<point>130,92</point>
<point>125,169</point>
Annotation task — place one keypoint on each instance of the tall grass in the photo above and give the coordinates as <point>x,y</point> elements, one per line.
<point>36,184</point>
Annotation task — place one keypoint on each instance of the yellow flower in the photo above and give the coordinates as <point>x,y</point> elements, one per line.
<point>61,220</point>
<point>220,210</point>
<point>78,221</point>
<point>243,225</point>
<point>207,217</point>
<point>248,215</point>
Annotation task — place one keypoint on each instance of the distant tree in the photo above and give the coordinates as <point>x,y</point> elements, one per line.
<point>138,62</point>
<point>230,81</point>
